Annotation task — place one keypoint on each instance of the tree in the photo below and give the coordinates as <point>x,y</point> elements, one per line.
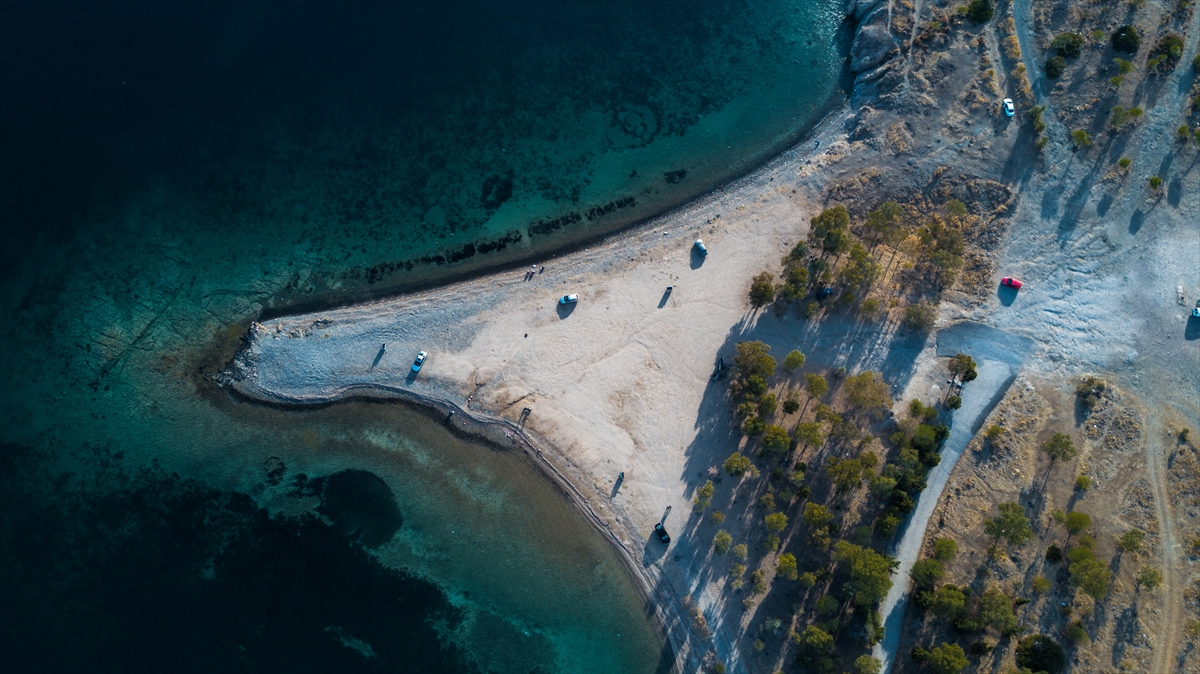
<point>762,290</point>
<point>809,433</point>
<point>1040,653</point>
<point>1069,45</point>
<point>862,270</point>
<point>703,497</point>
<point>1149,578</point>
<point>882,221</point>
<point>870,572</point>
<point>775,440</point>
<point>831,230</point>
<point>767,405</point>
<point>1041,585</point>
<point>737,465</point>
<point>945,549</point>
<point>793,361</point>
<point>740,551</point>
<point>814,640</point>
<point>754,427</point>
<point>790,406</point>
<point>1011,525</point>
<point>947,602</point>
<point>722,541</point>
<point>1059,447</point>
<point>1126,39</point>
<point>1081,138</point>
<point>1076,522</point>
<point>776,522</point>
<point>962,367</point>
<point>868,392</point>
<point>995,609</point>
<point>920,317</point>
<point>866,664</point>
<point>816,516</point>
<point>1131,541</point>
<point>947,659</point>
<point>980,11</point>
<point>816,385</point>
<point>752,359</point>
<point>926,573</point>
<point>786,566</point>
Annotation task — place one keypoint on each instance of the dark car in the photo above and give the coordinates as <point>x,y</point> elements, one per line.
<point>824,292</point>
<point>661,534</point>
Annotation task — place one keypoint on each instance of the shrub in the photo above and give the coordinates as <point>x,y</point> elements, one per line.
<point>1131,541</point>
<point>953,402</point>
<point>1041,585</point>
<point>1126,39</point>
<point>716,517</point>
<point>791,405</point>
<point>869,307</point>
<point>740,551</point>
<point>722,541</point>
<point>980,11</point>
<point>866,664</point>
<point>767,501</point>
<point>812,309</point>
<point>1076,633</point>
<point>1168,50</point>
<point>1124,163</point>
<point>1077,522</point>
<point>944,549</point>
<point>1040,653</point>
<point>1149,578</point>
<point>1156,183</point>
<point>920,317</point>
<point>1055,67</point>
<point>1011,525</point>
<point>1083,483</point>
<point>1081,138</point>
<point>1182,134</point>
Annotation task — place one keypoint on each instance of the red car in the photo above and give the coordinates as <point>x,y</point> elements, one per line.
<point>1010,282</point>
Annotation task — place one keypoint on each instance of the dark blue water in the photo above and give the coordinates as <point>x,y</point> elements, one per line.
<point>170,170</point>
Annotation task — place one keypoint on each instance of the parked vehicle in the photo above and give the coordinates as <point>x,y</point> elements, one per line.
<point>661,534</point>
<point>421,356</point>
<point>1010,282</point>
<point>701,248</point>
<point>568,299</point>
<point>1009,108</point>
<point>1196,309</point>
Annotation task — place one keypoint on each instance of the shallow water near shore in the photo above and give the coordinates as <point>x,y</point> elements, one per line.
<point>171,170</point>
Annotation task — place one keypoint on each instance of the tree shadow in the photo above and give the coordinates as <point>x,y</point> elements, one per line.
<point>1175,192</point>
<point>1136,220</point>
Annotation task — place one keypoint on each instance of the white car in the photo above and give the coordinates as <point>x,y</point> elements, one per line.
<point>1196,309</point>
<point>421,356</point>
<point>568,299</point>
<point>703,249</point>
<point>1009,108</point>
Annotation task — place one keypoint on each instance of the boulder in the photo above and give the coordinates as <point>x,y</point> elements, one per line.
<point>873,43</point>
<point>860,8</point>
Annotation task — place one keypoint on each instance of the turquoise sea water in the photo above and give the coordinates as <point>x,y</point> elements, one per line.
<point>170,170</point>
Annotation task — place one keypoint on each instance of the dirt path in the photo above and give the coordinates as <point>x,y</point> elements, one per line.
<point>1156,466</point>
